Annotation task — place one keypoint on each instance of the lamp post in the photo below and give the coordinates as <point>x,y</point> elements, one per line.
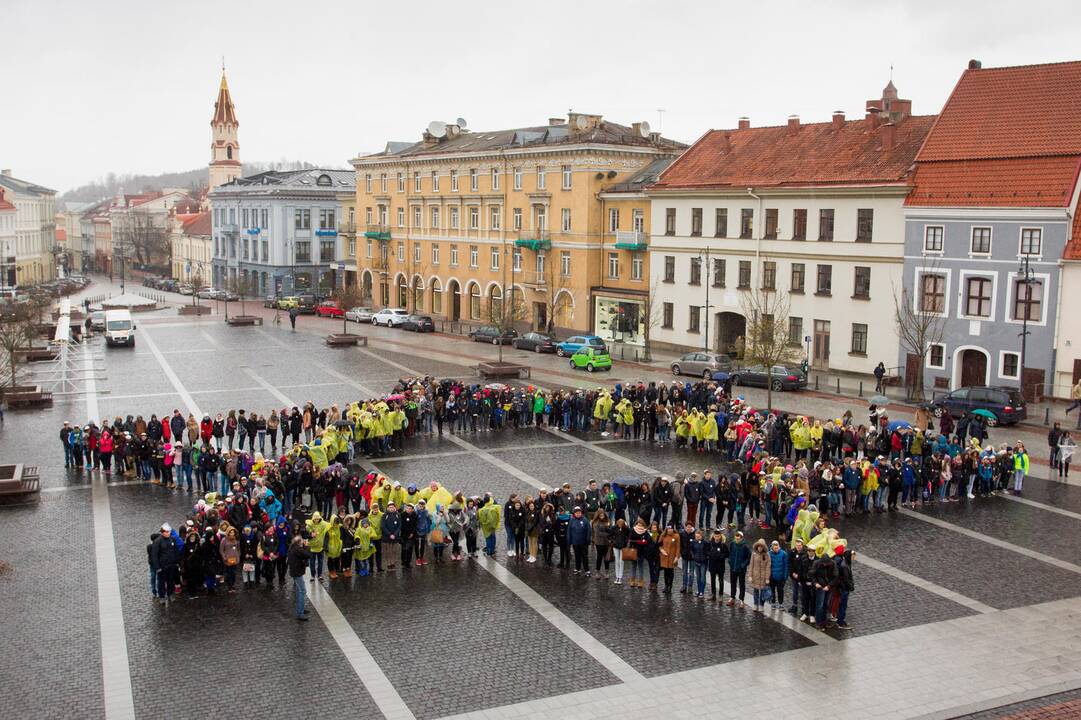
<point>1026,278</point>
<point>705,308</point>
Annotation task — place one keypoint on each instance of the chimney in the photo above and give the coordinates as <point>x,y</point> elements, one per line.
<point>636,128</point>
<point>429,139</point>
<point>654,137</point>
<point>974,64</point>
<point>793,123</point>
<point>553,121</point>
<point>873,114</point>
<point>888,132</point>
<point>6,172</point>
<point>745,123</point>
<point>838,119</point>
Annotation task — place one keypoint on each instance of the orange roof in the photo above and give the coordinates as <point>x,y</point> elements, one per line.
<point>61,234</point>
<point>195,223</point>
<point>1072,250</point>
<point>1013,182</point>
<point>812,154</point>
<point>4,204</point>
<point>224,112</point>
<point>1023,111</point>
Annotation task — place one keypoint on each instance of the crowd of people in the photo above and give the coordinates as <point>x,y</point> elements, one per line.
<point>283,493</point>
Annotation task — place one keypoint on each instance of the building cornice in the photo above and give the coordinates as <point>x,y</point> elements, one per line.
<point>524,152</point>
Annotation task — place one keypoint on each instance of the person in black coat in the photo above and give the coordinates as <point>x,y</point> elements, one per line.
<point>716,562</point>
<point>165,561</point>
<point>799,569</point>
<point>408,535</point>
<point>824,574</point>
<point>845,585</point>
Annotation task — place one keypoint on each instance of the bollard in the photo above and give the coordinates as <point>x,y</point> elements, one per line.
<point>816,382</point>
<point>838,386</point>
<point>861,388</point>
<point>1047,416</point>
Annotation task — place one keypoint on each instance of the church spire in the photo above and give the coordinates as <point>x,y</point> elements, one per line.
<point>224,112</point>
<point>224,145</point>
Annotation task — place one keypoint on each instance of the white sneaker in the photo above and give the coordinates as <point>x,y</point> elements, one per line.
<point>510,553</point>
<point>971,496</point>
<point>803,618</point>
<point>531,559</point>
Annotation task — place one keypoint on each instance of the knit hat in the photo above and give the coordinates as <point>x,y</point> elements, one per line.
<point>839,550</point>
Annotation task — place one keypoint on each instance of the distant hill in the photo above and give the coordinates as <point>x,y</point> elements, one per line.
<point>111,184</point>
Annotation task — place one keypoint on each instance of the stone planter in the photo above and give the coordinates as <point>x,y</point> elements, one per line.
<point>340,340</point>
<point>194,310</point>
<point>244,320</point>
<point>19,484</point>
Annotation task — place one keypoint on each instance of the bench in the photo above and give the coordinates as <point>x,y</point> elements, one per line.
<point>27,396</point>
<point>493,370</point>
<point>346,340</point>
<point>194,310</point>
<point>241,320</point>
<point>19,484</point>
<point>38,354</point>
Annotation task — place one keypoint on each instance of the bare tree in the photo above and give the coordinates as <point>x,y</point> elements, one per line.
<point>555,282</point>
<point>144,237</point>
<point>242,286</point>
<point>766,339</point>
<point>919,318</point>
<point>652,316</point>
<point>17,332</point>
<point>348,296</point>
<point>505,312</point>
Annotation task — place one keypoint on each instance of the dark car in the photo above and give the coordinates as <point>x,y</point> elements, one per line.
<point>779,377</point>
<point>1005,403</point>
<point>418,323</point>
<point>306,304</point>
<point>493,335</point>
<point>535,341</point>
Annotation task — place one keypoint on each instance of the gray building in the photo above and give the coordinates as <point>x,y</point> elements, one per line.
<point>279,230</point>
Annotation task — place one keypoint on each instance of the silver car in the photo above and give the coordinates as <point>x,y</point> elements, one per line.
<point>703,364</point>
<point>359,314</point>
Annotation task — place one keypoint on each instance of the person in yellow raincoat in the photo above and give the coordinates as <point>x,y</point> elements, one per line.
<point>815,433</point>
<point>623,417</point>
<point>695,426</point>
<point>710,432</point>
<point>382,494</point>
<point>318,454</point>
<point>869,485</point>
<point>683,429</point>
<point>805,522</point>
<point>435,495</point>
<point>602,408</point>
<point>488,517</point>
<point>317,534</point>
<point>334,547</point>
<point>800,433</point>
<point>375,518</point>
<point>364,547</point>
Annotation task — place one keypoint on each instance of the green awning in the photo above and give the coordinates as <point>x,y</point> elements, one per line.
<point>533,244</point>
<point>636,247</point>
<point>375,235</point>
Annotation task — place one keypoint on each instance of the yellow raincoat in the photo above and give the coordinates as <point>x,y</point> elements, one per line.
<point>334,538</point>
<point>364,548</point>
<point>710,428</point>
<point>602,408</point>
<point>317,530</point>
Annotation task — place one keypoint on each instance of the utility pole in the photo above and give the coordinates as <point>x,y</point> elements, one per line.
<point>1026,278</point>
<point>705,340</point>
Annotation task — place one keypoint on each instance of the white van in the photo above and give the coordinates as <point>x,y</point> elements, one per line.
<point>119,328</point>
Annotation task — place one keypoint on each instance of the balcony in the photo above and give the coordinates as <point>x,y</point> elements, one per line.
<point>379,232</point>
<point>229,229</point>
<point>534,240</point>
<point>347,228</point>
<point>633,240</point>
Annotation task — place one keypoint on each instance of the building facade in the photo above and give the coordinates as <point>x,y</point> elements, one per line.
<point>812,212</point>
<point>987,226</point>
<point>192,248</point>
<point>35,229</point>
<point>278,231</point>
<point>224,142</point>
<point>141,229</point>
<point>501,225</point>
<point>7,240</point>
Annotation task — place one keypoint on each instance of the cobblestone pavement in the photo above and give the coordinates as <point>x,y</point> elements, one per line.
<point>458,638</point>
<point>1062,706</point>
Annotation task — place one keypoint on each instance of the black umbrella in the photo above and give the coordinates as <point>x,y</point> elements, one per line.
<point>343,424</point>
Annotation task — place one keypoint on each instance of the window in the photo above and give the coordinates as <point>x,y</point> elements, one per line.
<point>368,215</point>
<point>799,277</point>
<point>264,224</point>
<point>435,254</point>
<point>565,219</point>
<point>744,280</point>
<point>721,223</point>
<point>541,218</point>
<point>694,319</point>
<point>669,268</point>
<point>696,222</point>
<point>981,241</point>
<point>303,219</point>
<point>495,179</point>
<point>669,221</point>
<point>304,252</point>
<point>638,221</point>
<point>517,178</point>
<point>244,218</point>
<point>771,224</point>
<point>416,181</point>
<point>454,218</point>
<point>565,263</point>
<point>1010,364</point>
<point>936,356</point>
<point>401,251</point>
<point>418,219</point>
<point>825,280</point>
<point>494,255</point>
<point>1027,300</point>
<point>435,181</point>
<point>978,297</point>
<point>474,256</point>
<point>1031,239</point>
<point>454,181</point>
<point>795,330</point>
<point>437,296</point>
<point>746,223</point>
<point>613,265</point>
<point>401,182</point>
<point>474,218</point>
<point>696,271</point>
<point>474,301</point>
<point>865,224</point>
<point>496,218</point>
<point>541,183</point>
<point>636,267</point>
<point>368,252</point>
<point>719,272</point>
<point>516,259</point>
<point>454,256</point>
<point>474,182</point>
<point>416,252</point>
<point>368,184</point>
<point>668,312</point>
<point>539,263</point>
<point>382,182</point>
<point>401,217</point>
<point>613,219</point>
<point>933,293</point>
<point>326,219</point>
<point>769,275</point>
<point>932,238</point>
<point>516,218</point>
<point>435,218</point>
<point>859,339</point>
<point>825,225</point>
<point>566,177</point>
<point>799,224</point>
<point>862,283</point>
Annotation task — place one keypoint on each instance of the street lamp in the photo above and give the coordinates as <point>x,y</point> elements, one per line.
<point>1026,278</point>
<point>704,256</point>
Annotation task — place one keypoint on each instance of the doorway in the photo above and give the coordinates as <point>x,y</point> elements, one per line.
<point>540,317</point>
<point>730,334</point>
<point>455,291</point>
<point>822,344</point>
<point>973,367</point>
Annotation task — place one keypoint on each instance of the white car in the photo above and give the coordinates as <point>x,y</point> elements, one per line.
<point>359,314</point>
<point>391,317</point>
<point>207,293</point>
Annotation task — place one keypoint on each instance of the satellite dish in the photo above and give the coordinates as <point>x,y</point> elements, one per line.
<point>644,128</point>
<point>437,128</point>
<point>581,123</point>
<point>460,122</point>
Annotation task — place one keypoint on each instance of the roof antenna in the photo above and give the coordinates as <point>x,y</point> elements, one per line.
<point>891,72</point>
<point>223,64</point>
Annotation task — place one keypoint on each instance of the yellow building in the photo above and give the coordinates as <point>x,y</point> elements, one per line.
<point>510,225</point>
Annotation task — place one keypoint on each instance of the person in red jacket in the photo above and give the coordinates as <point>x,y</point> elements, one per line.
<point>206,429</point>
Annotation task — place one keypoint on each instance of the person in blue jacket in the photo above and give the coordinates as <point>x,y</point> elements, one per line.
<point>424,528</point>
<point>739,557</point>
<point>778,574</point>
<point>708,493</point>
<point>579,536</point>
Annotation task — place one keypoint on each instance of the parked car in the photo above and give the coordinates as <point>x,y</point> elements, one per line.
<point>288,302</point>
<point>493,335</point>
<point>535,341</point>
<point>391,317</point>
<point>779,377</point>
<point>207,293</point>
<point>418,323</point>
<point>97,320</point>
<point>270,301</point>
<point>329,309</point>
<point>575,343</point>
<point>186,289</point>
<point>703,364</point>
<point>227,296</point>
<point>591,359</point>
<point>307,303</point>
<point>359,314</point>
<point>1005,403</point>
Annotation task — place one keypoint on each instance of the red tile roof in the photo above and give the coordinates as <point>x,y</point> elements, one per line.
<point>1072,250</point>
<point>1014,182</point>
<point>196,223</point>
<point>813,154</point>
<point>61,234</point>
<point>1023,111</point>
<point>4,204</point>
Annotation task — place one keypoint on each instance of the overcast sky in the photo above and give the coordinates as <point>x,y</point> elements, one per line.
<point>120,86</point>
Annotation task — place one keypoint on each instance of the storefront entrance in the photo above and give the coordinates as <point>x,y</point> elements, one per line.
<point>619,320</point>
<point>731,333</point>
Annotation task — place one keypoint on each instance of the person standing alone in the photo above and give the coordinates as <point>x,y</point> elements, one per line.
<point>298,558</point>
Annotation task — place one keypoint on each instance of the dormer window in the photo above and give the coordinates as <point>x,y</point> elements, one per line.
<point>323,180</point>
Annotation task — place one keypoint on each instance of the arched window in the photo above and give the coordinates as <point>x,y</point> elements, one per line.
<point>418,294</point>
<point>403,292</point>
<point>474,301</point>
<point>229,151</point>
<point>437,296</point>
<point>495,304</point>
<point>323,180</point>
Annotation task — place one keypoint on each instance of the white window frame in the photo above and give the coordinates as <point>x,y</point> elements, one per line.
<point>565,220</point>
<point>474,256</point>
<point>495,217</point>
<point>434,215</point>
<point>383,182</point>
<point>1045,280</point>
<point>1002,365</point>
<point>638,220</point>
<point>416,252</point>
<point>493,257</point>
<point>940,251</point>
<point>613,265</point>
<point>567,177</point>
<point>516,259</point>
<point>454,218</point>
<point>495,179</point>
<point>962,298</point>
<point>516,216</point>
<point>971,236</point>
<point>1020,234</point>
<point>416,181</point>
<point>637,267</point>
<point>418,216</point>
<point>435,253</point>
<point>401,217</point>
<point>454,256</point>
<point>401,182</point>
<point>517,178</point>
<point>542,182</point>
<point>918,289</point>
<point>368,183</point>
<point>613,219</point>
<point>565,263</point>
<point>401,251</point>
<point>474,180</point>
<point>474,217</point>
<point>454,181</point>
<point>540,262</point>
<point>927,358</point>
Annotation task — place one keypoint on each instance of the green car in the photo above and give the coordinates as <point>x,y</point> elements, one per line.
<point>591,359</point>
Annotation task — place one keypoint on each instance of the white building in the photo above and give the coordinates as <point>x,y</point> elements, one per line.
<point>35,228</point>
<point>192,248</point>
<point>7,240</point>
<point>814,212</point>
